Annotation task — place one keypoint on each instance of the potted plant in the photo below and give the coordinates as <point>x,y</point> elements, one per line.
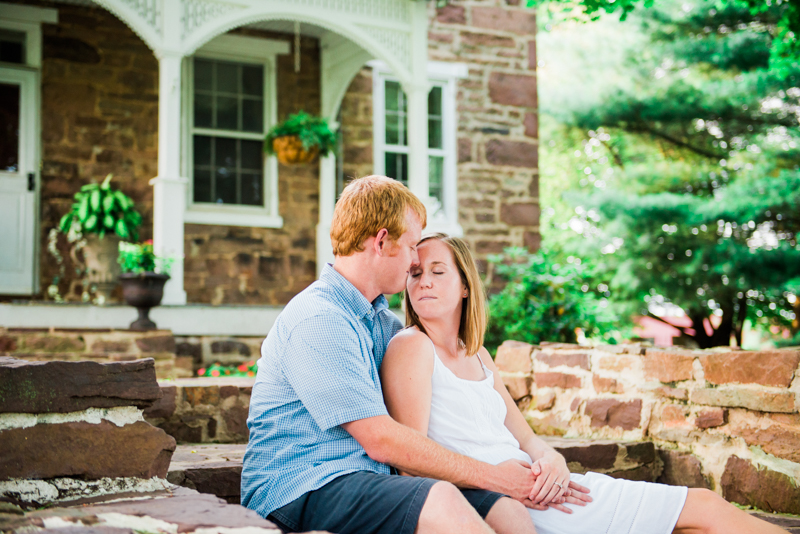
<point>300,138</point>
<point>143,277</point>
<point>101,216</point>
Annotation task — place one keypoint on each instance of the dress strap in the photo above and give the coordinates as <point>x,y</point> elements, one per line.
<point>479,358</point>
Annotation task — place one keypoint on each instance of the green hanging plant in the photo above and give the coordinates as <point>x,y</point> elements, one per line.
<point>101,210</point>
<point>314,134</point>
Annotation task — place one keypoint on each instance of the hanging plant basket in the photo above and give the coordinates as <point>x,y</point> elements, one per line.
<point>289,150</point>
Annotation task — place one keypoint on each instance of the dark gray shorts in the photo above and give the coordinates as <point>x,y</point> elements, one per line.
<point>365,503</point>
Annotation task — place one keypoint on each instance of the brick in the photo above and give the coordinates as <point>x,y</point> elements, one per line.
<point>614,413</point>
<point>711,418</point>
<point>519,21</point>
<point>532,240</point>
<point>606,385</point>
<point>513,89</point>
<point>451,14</point>
<point>532,54</point>
<point>531,124</point>
<point>8,344</point>
<point>51,343</point>
<point>580,360</point>
<point>768,368</point>
<point>545,400</point>
<point>517,386</point>
<point>672,415</point>
<point>668,366</point>
<point>617,363</point>
<point>672,393</point>
<point>197,395</point>
<point>520,214</point>
<point>514,357</point>
<point>681,469</point>
<point>159,343</point>
<point>780,440</point>
<point>486,39</point>
<point>733,397</point>
<point>557,380</point>
<point>760,487</point>
<point>464,149</point>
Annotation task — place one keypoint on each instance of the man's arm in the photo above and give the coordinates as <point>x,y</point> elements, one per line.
<point>389,442</point>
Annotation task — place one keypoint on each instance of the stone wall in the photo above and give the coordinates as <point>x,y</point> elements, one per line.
<point>723,419</point>
<point>498,177</point>
<point>226,350</point>
<point>100,346</point>
<point>75,429</point>
<point>241,265</point>
<point>356,127</point>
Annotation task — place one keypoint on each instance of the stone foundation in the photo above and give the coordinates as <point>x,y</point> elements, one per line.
<point>99,345</point>
<point>724,419</point>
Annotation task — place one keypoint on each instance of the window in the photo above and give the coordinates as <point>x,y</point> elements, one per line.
<point>390,120</point>
<point>231,105</point>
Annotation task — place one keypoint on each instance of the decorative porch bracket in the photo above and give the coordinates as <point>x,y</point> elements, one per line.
<point>394,31</point>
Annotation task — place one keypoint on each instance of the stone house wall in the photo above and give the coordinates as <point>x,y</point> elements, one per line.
<point>497,117</point>
<point>725,420</point>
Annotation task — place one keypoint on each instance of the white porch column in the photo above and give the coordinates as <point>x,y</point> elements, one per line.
<point>327,200</point>
<point>417,95</point>
<point>169,187</point>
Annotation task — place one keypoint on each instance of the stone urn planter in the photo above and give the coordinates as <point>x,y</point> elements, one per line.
<point>143,291</point>
<point>102,269</point>
<point>289,150</point>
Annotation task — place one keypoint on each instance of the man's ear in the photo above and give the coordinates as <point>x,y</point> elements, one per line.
<point>381,242</point>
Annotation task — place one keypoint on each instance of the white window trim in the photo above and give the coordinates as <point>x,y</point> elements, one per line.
<point>242,50</point>
<point>445,75</point>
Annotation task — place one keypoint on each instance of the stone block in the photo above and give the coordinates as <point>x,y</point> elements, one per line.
<point>517,386</point>
<point>451,14</point>
<point>580,360</point>
<point>711,418</point>
<point>520,214</point>
<point>743,397</point>
<point>643,473</point>
<point>51,343</point>
<point>164,407</point>
<point>8,344</point>
<point>157,343</point>
<point>85,450</point>
<point>513,154</point>
<point>590,455</point>
<point>681,469</point>
<point>235,419</point>
<point>531,124</point>
<point>229,346</point>
<point>614,413</point>
<point>668,366</point>
<point>606,385</point>
<point>514,357</point>
<point>517,90</point>
<point>672,393</point>
<point>557,380</point>
<point>618,363</point>
<point>112,345</point>
<point>545,400</point>
<point>744,483</point>
<point>201,394</point>
<point>62,387</point>
<point>486,39</point>
<point>781,440</point>
<point>768,368</point>
<point>521,22</point>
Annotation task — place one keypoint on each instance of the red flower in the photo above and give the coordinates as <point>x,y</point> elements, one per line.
<point>201,371</point>
<point>215,372</point>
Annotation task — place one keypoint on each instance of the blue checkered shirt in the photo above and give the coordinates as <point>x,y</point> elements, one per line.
<point>318,369</point>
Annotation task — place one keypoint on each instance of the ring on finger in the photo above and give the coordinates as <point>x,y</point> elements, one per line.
<point>560,487</point>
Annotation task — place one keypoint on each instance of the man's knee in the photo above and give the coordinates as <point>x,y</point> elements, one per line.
<point>447,510</point>
<point>446,495</point>
<point>509,516</point>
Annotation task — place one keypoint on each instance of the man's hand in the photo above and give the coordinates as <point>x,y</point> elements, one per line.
<point>515,479</point>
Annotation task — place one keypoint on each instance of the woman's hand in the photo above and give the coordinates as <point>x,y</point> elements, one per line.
<point>552,479</point>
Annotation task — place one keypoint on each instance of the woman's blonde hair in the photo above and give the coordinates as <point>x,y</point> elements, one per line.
<point>366,206</point>
<point>473,308</point>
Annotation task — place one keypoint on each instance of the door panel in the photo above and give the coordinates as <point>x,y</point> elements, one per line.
<point>18,159</point>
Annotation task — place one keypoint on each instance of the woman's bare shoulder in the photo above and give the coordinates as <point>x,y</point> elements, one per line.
<point>410,344</point>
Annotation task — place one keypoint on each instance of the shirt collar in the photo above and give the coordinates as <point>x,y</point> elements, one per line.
<point>362,308</point>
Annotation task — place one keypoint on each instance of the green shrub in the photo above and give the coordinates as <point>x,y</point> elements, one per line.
<point>248,369</point>
<point>312,131</point>
<point>101,210</point>
<point>140,258</point>
<point>543,301</point>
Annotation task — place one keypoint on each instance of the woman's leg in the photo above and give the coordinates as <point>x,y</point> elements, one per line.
<point>705,512</point>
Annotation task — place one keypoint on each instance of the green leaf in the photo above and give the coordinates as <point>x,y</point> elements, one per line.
<point>91,222</point>
<point>108,203</point>
<point>105,186</point>
<point>83,210</point>
<point>94,200</point>
<point>122,229</point>
<point>108,221</point>
<point>66,222</point>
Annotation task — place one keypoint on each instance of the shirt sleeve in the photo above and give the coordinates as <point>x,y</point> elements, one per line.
<point>325,364</point>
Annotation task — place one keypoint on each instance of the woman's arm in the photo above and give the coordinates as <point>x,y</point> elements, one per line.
<point>549,465</point>
<point>406,374</point>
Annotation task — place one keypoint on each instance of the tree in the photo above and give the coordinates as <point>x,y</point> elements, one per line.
<point>691,173</point>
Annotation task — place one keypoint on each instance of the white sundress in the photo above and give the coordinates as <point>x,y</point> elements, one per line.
<point>467,417</point>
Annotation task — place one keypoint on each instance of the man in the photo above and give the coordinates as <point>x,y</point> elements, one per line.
<point>321,441</point>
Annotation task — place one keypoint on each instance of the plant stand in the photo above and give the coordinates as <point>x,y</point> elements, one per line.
<point>143,291</point>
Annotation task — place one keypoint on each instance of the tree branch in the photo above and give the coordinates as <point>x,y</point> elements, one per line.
<point>683,144</point>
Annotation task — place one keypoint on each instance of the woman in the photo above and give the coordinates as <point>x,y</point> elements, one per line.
<point>439,379</point>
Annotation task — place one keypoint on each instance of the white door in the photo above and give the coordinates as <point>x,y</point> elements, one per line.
<point>18,180</point>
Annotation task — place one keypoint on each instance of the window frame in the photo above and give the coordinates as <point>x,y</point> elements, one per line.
<point>444,75</point>
<point>243,50</point>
